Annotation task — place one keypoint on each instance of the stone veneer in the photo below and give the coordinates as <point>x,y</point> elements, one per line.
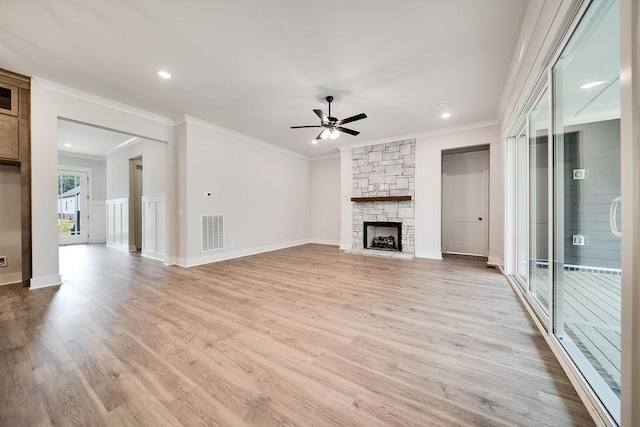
<point>385,170</point>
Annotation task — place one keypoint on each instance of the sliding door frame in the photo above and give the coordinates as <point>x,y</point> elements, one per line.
<point>630,349</point>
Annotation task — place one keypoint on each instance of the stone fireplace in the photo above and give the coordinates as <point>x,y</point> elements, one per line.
<point>384,171</point>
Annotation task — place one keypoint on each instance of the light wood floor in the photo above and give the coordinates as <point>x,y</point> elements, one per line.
<point>301,336</point>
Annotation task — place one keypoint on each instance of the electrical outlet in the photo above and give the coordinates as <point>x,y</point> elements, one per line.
<point>3,261</point>
<point>578,240</point>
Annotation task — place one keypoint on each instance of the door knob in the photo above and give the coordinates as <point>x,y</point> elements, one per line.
<point>480,219</point>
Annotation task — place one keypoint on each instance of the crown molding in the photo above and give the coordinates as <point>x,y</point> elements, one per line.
<point>81,156</point>
<point>105,102</point>
<point>441,131</point>
<point>217,128</point>
<point>326,156</point>
<point>518,54</point>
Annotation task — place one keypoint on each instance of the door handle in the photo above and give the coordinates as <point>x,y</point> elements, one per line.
<point>479,219</point>
<point>612,216</point>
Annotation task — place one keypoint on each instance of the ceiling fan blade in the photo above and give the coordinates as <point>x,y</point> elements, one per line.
<point>321,115</point>
<point>349,131</point>
<point>352,119</point>
<point>320,135</point>
<point>300,127</point>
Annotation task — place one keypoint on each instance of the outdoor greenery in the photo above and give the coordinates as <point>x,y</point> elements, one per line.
<point>67,182</point>
<point>65,226</point>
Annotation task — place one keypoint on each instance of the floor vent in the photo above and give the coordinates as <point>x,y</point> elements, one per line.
<point>212,232</point>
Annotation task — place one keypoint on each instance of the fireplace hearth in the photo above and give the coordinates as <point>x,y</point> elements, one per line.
<point>383,236</point>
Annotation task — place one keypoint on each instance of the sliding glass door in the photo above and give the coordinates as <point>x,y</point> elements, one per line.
<point>538,150</point>
<point>587,249</point>
<point>567,192</point>
<point>532,208</point>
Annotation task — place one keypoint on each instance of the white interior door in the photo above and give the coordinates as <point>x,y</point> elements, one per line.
<point>74,197</point>
<point>465,203</point>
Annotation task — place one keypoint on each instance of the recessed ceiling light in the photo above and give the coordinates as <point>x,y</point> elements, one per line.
<point>442,105</point>
<point>164,74</point>
<point>66,144</point>
<point>314,142</point>
<point>445,115</point>
<point>592,84</point>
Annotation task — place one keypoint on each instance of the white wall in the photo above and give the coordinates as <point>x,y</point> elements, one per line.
<point>324,203</point>
<point>10,224</point>
<point>429,188</point>
<point>630,127</point>
<point>48,102</point>
<point>540,33</point>
<point>262,191</point>
<point>154,165</point>
<point>98,192</point>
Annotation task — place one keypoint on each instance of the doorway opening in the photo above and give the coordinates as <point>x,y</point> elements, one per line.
<point>135,209</point>
<point>102,197</point>
<point>465,201</point>
<point>74,201</point>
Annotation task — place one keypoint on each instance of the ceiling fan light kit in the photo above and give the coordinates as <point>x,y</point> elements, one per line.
<point>332,126</point>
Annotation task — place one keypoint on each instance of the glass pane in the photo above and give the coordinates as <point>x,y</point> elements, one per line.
<point>587,273</point>
<point>69,204</point>
<point>5,98</point>
<point>539,202</point>
<point>522,203</point>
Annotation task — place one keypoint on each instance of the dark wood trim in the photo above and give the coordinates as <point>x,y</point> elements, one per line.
<point>381,199</point>
<point>24,132</point>
<point>14,79</point>
<point>9,162</point>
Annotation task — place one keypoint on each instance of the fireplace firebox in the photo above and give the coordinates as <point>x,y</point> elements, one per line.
<point>383,236</point>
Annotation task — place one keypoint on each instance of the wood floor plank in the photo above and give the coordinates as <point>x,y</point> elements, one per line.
<point>301,336</point>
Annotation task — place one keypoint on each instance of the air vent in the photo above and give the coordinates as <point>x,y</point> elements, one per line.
<point>212,232</point>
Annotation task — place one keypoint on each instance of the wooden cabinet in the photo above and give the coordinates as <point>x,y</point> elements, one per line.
<point>9,111</point>
<point>9,137</point>
<point>15,149</point>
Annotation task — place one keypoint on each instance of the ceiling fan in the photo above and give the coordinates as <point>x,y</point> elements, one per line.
<point>332,126</point>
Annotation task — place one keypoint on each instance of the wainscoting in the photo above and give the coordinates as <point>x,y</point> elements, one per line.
<point>98,223</point>
<point>117,215</point>
<point>154,240</point>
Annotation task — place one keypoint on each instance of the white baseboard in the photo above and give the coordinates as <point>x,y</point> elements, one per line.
<point>133,248</point>
<point>46,281</point>
<point>496,262</point>
<point>325,242</point>
<point>429,254</point>
<point>96,241</point>
<point>9,279</point>
<point>153,255</point>
<point>344,247</point>
<point>223,256</point>
<point>119,247</point>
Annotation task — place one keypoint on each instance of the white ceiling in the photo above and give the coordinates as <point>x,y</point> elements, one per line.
<point>258,67</point>
<point>89,140</point>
